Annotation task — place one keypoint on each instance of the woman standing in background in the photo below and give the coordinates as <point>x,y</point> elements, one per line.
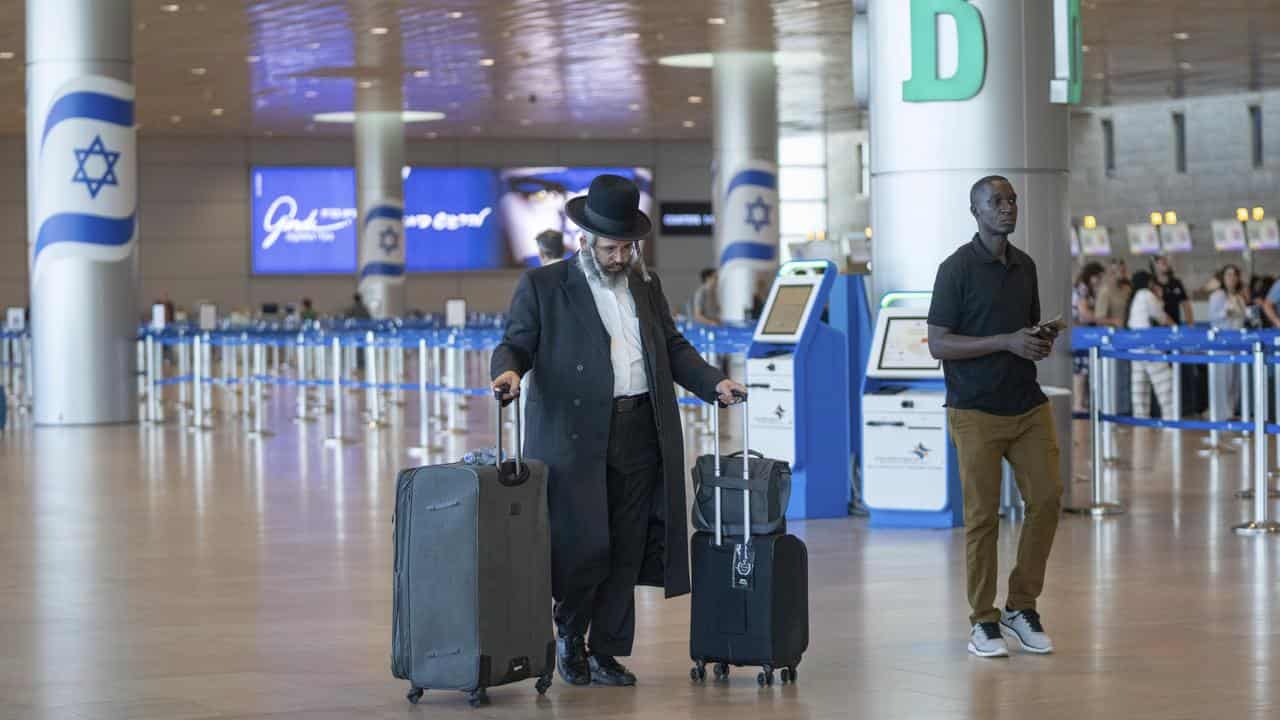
<point>1228,310</point>
<point>1146,310</point>
<point>1083,298</point>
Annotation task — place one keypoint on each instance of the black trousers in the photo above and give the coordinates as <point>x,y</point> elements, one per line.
<point>633,475</point>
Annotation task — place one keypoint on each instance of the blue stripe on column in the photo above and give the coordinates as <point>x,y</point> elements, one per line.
<point>755,178</point>
<point>388,212</point>
<point>382,269</point>
<point>747,251</point>
<point>90,105</point>
<point>91,229</point>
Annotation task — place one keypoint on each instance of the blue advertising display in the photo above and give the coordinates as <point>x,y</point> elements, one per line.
<point>304,220</point>
<point>533,200</point>
<point>450,220</point>
<point>455,219</point>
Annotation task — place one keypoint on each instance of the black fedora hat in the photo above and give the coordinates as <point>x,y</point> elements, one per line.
<point>611,208</point>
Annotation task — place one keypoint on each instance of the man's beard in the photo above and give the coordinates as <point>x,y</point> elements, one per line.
<point>602,274</point>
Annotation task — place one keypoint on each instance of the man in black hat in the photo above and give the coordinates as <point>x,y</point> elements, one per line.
<point>598,334</point>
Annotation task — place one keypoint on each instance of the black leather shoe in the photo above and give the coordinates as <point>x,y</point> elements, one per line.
<point>571,660</point>
<point>606,670</point>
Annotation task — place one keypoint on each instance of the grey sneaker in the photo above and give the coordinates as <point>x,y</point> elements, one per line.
<point>986,641</point>
<point>1025,624</point>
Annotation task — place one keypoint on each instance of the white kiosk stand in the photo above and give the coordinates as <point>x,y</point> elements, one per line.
<point>910,476</point>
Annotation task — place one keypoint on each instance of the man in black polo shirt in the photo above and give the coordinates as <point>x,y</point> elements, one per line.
<point>983,326</point>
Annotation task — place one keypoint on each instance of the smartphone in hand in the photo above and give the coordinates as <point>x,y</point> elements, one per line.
<point>1049,328</point>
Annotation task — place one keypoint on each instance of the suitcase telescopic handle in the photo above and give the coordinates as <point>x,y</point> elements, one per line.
<point>498,394</point>
<point>746,467</point>
<point>741,397</point>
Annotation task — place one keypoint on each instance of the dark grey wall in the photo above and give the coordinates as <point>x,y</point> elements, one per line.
<point>1220,175</point>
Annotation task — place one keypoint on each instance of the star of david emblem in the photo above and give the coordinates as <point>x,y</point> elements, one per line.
<point>388,239</point>
<point>758,213</point>
<point>104,170</point>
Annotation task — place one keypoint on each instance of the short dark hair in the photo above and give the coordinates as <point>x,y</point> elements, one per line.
<point>982,183</point>
<point>551,243</point>
<point>706,273</point>
<point>1089,272</point>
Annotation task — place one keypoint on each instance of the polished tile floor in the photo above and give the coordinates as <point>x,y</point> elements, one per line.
<point>153,573</point>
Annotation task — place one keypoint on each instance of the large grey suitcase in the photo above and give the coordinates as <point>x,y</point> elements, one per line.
<point>472,595</point>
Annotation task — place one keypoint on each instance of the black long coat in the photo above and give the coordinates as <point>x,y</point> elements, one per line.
<point>554,329</point>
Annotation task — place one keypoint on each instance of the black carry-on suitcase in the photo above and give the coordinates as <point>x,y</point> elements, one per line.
<point>472,592</point>
<point>750,604</point>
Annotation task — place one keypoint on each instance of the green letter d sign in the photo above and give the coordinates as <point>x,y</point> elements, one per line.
<point>971,48</point>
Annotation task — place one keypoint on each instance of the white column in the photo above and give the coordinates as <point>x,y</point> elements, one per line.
<point>82,195</point>
<point>744,82</point>
<point>960,90</point>
<point>379,150</point>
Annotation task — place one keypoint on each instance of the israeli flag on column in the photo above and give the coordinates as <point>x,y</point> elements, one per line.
<point>382,245</point>
<point>86,196</point>
<point>747,233</point>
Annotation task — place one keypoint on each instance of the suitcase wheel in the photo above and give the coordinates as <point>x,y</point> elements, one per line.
<point>414,695</point>
<point>789,675</point>
<point>698,673</point>
<point>544,684</point>
<point>478,698</point>
<point>765,677</point>
<point>722,671</point>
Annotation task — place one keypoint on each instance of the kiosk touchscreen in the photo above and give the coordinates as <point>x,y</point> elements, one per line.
<point>909,473</point>
<point>905,348</point>
<point>790,304</point>
<point>798,374</point>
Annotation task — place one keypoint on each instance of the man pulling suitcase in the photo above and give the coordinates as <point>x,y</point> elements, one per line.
<point>597,331</point>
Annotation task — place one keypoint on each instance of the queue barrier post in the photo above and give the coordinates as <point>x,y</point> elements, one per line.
<point>1260,525</point>
<point>1096,506</point>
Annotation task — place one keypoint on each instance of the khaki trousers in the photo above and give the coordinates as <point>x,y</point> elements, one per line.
<point>1030,444</point>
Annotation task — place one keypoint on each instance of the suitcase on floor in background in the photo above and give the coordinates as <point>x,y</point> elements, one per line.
<point>750,604</point>
<point>472,588</point>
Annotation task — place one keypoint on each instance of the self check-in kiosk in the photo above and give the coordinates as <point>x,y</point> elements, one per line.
<point>798,373</point>
<point>910,477</point>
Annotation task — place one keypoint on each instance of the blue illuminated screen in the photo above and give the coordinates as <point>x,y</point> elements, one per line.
<point>455,218</point>
<point>304,220</point>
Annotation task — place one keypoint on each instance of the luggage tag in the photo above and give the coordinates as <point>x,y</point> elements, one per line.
<point>744,567</point>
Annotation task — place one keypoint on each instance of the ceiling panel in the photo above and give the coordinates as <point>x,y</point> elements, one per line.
<point>566,69</point>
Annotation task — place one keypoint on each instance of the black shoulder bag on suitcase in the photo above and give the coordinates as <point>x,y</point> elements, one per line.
<point>750,604</point>
<point>472,592</point>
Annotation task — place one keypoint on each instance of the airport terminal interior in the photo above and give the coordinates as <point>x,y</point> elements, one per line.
<point>262,262</point>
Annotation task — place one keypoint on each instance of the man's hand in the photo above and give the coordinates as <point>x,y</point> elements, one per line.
<point>1028,344</point>
<point>726,389</point>
<point>1050,333</point>
<point>508,383</point>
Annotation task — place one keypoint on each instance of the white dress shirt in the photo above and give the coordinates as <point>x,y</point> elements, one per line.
<point>618,313</point>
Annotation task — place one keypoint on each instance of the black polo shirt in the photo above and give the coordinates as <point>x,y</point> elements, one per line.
<point>977,295</point>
